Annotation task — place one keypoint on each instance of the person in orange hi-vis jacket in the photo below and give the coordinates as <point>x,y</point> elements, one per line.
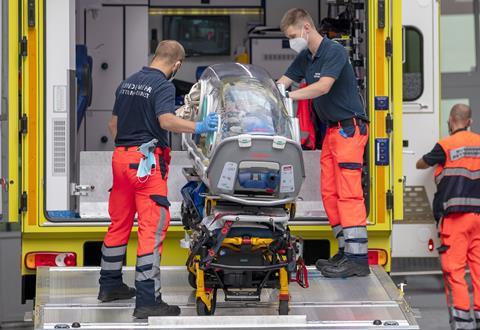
<point>456,207</point>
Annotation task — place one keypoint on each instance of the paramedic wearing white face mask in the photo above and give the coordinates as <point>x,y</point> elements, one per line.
<point>325,66</point>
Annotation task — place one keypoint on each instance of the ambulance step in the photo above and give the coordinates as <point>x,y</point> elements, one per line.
<point>68,297</point>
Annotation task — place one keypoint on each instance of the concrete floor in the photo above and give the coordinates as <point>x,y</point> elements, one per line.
<point>426,296</point>
<point>424,293</point>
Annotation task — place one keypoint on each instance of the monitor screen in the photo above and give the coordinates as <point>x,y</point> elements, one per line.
<point>199,35</point>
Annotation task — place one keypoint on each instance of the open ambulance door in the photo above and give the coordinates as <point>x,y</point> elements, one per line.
<point>397,97</point>
<point>421,93</point>
<point>9,113</point>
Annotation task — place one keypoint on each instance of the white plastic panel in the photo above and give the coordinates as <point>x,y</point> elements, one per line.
<point>275,9</point>
<point>98,137</point>
<point>60,58</point>
<point>104,39</point>
<point>272,54</point>
<point>136,39</point>
<point>411,240</point>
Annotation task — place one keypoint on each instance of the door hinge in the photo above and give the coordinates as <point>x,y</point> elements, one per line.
<point>389,200</point>
<point>23,202</point>
<point>388,47</point>
<point>24,124</point>
<point>381,14</point>
<point>388,124</point>
<point>24,47</point>
<point>31,13</point>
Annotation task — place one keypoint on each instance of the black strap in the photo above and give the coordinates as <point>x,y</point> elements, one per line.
<point>163,165</point>
<point>347,122</point>
<point>212,252</point>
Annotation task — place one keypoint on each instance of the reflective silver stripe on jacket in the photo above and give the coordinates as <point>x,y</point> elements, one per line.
<point>472,175</point>
<point>461,201</point>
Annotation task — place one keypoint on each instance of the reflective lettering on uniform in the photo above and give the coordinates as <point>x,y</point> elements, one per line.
<point>131,89</point>
<point>471,152</point>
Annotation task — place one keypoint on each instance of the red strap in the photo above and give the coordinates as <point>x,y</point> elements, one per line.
<point>305,119</point>
<point>302,274</point>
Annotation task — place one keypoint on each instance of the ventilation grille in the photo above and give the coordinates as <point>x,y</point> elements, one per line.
<point>278,57</point>
<point>59,147</point>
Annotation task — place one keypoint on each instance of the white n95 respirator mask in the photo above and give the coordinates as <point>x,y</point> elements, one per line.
<point>298,44</point>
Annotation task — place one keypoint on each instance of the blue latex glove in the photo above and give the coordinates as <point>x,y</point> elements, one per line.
<point>209,124</point>
<point>148,162</point>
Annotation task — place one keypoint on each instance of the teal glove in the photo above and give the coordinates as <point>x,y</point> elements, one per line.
<point>209,124</point>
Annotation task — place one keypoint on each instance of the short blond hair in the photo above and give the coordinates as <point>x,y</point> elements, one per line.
<point>169,52</point>
<point>294,17</point>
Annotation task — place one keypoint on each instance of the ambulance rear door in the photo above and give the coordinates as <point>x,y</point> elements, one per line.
<point>9,113</point>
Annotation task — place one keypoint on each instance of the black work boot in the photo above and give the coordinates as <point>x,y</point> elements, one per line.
<point>160,309</point>
<point>115,293</point>
<point>347,268</point>
<point>333,261</point>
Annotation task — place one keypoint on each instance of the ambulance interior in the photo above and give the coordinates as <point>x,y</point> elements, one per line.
<point>92,45</point>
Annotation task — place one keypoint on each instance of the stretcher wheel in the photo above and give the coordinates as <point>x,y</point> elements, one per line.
<point>283,307</point>
<point>202,308</point>
<point>192,280</point>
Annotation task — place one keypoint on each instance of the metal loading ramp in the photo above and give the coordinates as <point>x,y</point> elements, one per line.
<point>66,299</point>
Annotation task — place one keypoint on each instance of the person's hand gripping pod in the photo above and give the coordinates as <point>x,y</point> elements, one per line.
<point>209,124</point>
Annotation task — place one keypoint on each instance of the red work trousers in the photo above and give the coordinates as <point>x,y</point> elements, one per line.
<point>146,197</point>
<point>460,237</point>
<point>341,176</point>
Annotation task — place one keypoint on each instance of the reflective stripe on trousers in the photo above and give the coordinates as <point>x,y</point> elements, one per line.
<point>338,233</point>
<point>148,199</point>
<point>112,257</point>
<point>147,271</point>
<point>111,265</point>
<point>461,319</point>
<point>356,240</point>
<point>148,266</point>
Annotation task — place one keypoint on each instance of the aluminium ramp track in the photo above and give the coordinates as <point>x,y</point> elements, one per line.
<point>68,295</point>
